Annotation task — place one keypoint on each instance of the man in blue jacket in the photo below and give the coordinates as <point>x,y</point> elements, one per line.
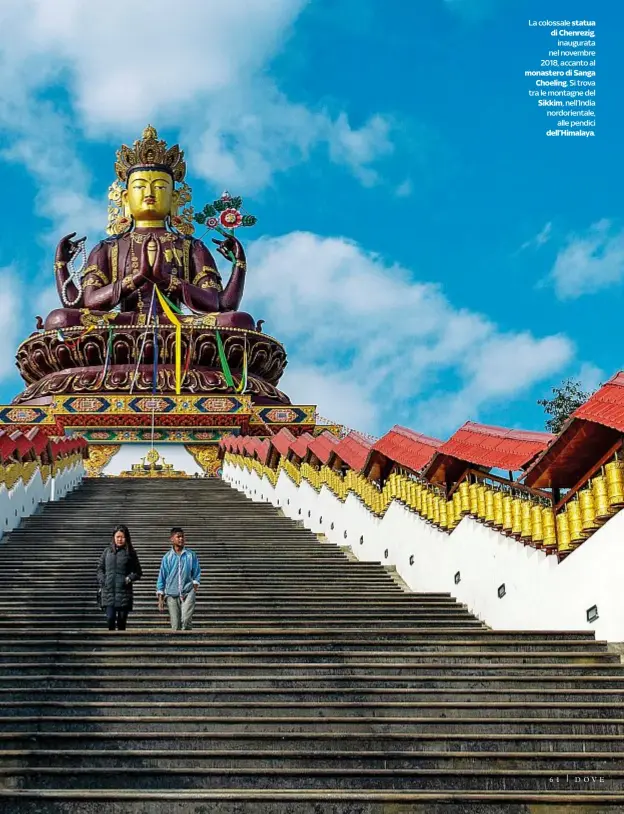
<point>178,581</point>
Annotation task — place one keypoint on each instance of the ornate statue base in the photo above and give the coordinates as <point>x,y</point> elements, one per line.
<point>121,428</point>
<point>103,360</point>
<point>124,379</point>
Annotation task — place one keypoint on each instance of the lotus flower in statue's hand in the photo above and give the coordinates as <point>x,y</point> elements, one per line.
<point>231,218</point>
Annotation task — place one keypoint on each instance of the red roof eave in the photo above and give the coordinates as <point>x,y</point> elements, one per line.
<point>352,450</point>
<point>606,405</point>
<point>299,447</point>
<point>492,447</point>
<point>405,448</point>
<point>282,441</point>
<point>323,445</point>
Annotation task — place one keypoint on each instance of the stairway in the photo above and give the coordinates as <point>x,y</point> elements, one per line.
<point>310,683</point>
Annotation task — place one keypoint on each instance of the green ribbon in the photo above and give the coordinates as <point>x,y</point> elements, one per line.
<point>176,309</point>
<point>227,373</point>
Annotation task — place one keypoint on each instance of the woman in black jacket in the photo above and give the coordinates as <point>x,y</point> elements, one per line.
<point>119,568</point>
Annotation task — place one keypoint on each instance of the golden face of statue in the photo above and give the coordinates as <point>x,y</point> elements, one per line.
<point>149,197</point>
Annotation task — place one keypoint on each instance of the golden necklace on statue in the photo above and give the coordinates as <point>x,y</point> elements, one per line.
<point>140,237</point>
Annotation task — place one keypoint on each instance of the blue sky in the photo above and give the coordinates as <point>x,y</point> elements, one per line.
<point>427,255</point>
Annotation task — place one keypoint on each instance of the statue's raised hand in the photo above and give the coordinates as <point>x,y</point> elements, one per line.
<point>67,248</point>
<point>230,248</point>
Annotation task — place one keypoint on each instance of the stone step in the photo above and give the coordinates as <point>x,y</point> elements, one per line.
<point>232,653</point>
<point>42,725</point>
<point>329,740</point>
<point>398,634</point>
<point>441,680</point>
<point>223,759</point>
<point>364,694</point>
<point>387,671</point>
<point>595,711</point>
<point>142,617</point>
<point>310,683</point>
<point>68,660</point>
<point>326,778</point>
<point>307,801</point>
<point>267,609</point>
<point>154,638</point>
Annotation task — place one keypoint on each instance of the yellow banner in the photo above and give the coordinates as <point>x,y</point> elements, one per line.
<point>178,339</point>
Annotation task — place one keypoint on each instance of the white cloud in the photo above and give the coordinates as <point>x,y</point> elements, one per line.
<point>504,367</point>
<point>205,67</point>
<point>540,239</point>
<point>590,376</point>
<point>73,70</point>
<point>358,149</point>
<point>590,261</point>
<point>39,141</point>
<point>45,300</point>
<point>10,317</point>
<point>374,343</point>
<point>335,393</point>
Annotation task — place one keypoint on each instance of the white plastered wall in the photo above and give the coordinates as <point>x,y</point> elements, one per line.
<point>540,593</point>
<point>24,498</point>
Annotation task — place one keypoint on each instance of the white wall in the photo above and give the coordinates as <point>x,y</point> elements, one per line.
<point>130,454</point>
<point>22,500</point>
<point>541,593</point>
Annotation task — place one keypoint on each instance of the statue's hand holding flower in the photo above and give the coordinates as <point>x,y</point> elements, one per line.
<point>231,247</point>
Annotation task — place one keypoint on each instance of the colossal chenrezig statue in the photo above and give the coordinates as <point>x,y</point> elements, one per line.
<point>101,339</point>
<point>148,248</point>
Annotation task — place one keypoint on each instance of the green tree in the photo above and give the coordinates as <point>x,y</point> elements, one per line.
<point>566,398</point>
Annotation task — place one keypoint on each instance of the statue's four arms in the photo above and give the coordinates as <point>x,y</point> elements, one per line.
<point>123,270</point>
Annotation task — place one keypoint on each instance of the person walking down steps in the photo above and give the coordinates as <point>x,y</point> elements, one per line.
<point>118,570</point>
<point>178,582</point>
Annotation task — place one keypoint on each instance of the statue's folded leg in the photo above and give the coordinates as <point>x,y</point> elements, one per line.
<point>74,317</point>
<point>62,318</point>
<point>236,319</point>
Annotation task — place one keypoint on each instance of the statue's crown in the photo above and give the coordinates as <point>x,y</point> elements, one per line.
<point>150,151</point>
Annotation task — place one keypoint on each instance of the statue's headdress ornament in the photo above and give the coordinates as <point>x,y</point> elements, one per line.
<point>150,152</point>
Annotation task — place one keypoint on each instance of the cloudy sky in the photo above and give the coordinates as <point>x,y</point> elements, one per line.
<point>427,255</point>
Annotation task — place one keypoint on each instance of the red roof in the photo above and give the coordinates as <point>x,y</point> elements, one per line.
<point>8,444</point>
<point>591,432</point>
<point>57,446</point>
<point>23,445</point>
<point>494,447</point>
<point>606,406</point>
<point>406,447</point>
<point>353,450</point>
<point>300,446</point>
<point>323,445</point>
<point>249,446</point>
<point>262,450</point>
<point>282,441</point>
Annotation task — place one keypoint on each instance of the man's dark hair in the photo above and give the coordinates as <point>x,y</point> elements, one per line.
<point>175,530</point>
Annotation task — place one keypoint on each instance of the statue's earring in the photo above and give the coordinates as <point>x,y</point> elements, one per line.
<point>119,216</point>
<point>182,222</point>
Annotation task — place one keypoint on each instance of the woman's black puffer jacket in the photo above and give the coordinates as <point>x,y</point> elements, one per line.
<point>118,569</point>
